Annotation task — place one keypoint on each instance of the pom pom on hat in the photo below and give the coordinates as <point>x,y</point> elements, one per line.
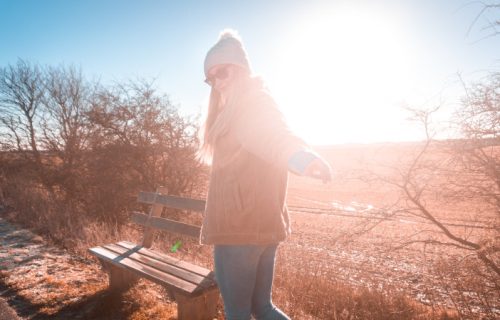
<point>228,50</point>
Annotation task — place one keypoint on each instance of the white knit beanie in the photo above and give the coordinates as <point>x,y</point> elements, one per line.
<point>227,50</point>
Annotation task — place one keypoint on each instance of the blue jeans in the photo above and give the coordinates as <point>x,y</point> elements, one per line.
<point>245,275</point>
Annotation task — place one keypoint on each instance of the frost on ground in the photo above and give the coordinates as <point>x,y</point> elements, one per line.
<point>42,282</point>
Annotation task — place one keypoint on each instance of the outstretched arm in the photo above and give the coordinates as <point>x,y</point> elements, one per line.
<point>309,163</point>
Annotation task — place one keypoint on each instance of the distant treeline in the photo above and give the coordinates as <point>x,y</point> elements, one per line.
<point>73,148</point>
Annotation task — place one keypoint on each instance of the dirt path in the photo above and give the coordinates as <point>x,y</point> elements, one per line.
<point>41,282</point>
<point>38,281</point>
<point>6,312</point>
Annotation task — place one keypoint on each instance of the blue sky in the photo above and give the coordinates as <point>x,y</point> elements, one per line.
<point>339,69</point>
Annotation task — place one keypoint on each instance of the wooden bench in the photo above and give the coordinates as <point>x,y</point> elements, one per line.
<point>193,287</point>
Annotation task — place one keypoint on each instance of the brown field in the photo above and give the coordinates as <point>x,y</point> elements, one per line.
<point>344,259</point>
<point>331,236</point>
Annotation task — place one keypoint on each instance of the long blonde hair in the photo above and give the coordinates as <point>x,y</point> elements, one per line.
<point>219,116</point>
<point>205,151</point>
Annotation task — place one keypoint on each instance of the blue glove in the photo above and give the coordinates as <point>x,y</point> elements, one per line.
<point>310,164</point>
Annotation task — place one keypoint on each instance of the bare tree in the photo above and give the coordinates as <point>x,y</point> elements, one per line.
<point>454,171</point>
<point>492,24</point>
<point>94,147</point>
<point>138,140</point>
<point>460,176</point>
<point>478,156</point>
<point>64,127</point>
<point>21,94</point>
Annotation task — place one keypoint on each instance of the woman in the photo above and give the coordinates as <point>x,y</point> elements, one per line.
<point>251,150</point>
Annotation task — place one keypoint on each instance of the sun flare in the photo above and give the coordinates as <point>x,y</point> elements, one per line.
<point>342,74</point>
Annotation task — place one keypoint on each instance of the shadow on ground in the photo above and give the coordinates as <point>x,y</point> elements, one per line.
<point>41,282</point>
<point>103,305</point>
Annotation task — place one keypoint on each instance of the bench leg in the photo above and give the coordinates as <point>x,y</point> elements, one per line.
<point>119,279</point>
<point>202,307</point>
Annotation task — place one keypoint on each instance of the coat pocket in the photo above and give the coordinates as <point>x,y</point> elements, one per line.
<point>232,196</point>
<point>236,206</point>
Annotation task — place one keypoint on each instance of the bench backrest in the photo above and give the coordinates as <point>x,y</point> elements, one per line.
<point>153,220</point>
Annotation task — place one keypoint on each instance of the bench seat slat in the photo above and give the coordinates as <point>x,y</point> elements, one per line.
<point>172,201</point>
<point>168,259</point>
<point>144,271</point>
<point>166,224</point>
<point>184,274</point>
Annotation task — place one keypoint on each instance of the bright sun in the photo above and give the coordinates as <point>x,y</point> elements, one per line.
<point>343,75</point>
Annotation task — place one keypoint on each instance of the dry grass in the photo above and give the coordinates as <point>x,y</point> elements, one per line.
<point>324,271</point>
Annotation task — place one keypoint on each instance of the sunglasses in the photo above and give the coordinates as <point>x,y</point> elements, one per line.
<point>220,74</point>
